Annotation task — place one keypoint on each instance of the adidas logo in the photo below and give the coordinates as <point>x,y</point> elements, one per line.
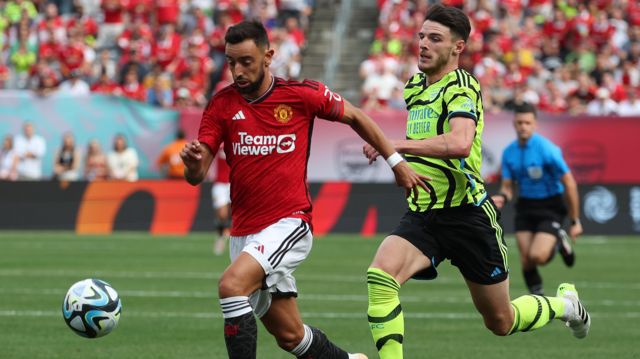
<point>496,271</point>
<point>238,116</point>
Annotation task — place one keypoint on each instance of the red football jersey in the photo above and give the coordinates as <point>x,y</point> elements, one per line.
<point>267,143</point>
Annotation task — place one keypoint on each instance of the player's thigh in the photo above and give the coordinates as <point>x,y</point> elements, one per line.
<point>542,247</point>
<point>524,239</point>
<point>242,277</point>
<point>283,319</point>
<point>493,302</point>
<point>400,258</point>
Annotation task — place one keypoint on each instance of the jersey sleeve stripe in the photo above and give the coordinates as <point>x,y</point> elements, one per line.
<point>463,114</point>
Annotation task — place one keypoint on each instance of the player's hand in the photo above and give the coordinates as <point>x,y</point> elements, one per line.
<point>370,153</point>
<point>407,178</point>
<point>191,155</point>
<point>498,200</point>
<point>575,230</point>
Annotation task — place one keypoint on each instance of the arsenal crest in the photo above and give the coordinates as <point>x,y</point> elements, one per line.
<point>283,113</point>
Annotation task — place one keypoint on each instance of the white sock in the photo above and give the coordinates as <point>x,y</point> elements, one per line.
<point>305,343</point>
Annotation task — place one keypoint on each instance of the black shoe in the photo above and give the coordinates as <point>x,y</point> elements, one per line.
<point>565,249</point>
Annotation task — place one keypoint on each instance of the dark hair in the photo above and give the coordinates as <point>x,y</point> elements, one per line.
<point>525,107</point>
<point>248,29</point>
<point>451,17</point>
<point>180,134</point>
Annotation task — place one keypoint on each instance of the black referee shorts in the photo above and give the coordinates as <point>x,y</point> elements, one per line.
<point>540,215</point>
<point>470,236</point>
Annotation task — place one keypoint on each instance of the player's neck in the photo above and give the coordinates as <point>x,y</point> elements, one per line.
<point>438,75</point>
<point>264,87</point>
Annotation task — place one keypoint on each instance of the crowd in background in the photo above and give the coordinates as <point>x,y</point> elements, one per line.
<point>22,155</point>
<point>169,53</point>
<point>565,56</point>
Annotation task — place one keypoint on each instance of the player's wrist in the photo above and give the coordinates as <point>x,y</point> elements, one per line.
<point>504,197</point>
<point>575,222</point>
<point>394,159</point>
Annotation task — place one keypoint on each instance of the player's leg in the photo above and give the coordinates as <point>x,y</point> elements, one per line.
<point>220,193</point>
<point>286,244</point>
<point>283,321</point>
<point>490,289</point>
<point>532,278</point>
<point>396,260</point>
<point>223,224</point>
<point>243,277</point>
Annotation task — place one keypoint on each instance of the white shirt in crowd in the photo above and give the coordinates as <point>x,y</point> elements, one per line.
<point>123,165</point>
<point>629,108</point>
<point>30,166</point>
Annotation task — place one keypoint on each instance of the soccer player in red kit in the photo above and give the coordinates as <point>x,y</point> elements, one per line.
<point>265,124</point>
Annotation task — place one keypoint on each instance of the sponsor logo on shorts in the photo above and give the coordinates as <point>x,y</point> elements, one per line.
<point>262,145</point>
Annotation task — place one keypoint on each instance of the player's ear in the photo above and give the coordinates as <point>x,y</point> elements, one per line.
<point>268,56</point>
<point>459,47</point>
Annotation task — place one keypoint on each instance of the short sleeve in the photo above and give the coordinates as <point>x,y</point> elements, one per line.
<point>506,170</point>
<point>323,102</point>
<point>557,161</point>
<point>211,127</point>
<point>461,102</point>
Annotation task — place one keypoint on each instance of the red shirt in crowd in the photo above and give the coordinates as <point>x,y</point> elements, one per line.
<point>267,143</point>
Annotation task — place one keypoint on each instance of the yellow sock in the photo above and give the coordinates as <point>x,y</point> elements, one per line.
<point>535,311</point>
<point>385,314</point>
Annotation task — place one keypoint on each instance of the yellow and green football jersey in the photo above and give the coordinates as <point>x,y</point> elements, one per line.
<point>456,181</point>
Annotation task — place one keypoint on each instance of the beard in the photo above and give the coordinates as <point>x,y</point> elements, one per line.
<point>253,85</point>
<point>441,61</point>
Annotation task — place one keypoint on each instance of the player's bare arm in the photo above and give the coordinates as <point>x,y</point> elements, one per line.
<point>197,158</point>
<point>369,131</point>
<point>573,204</point>
<point>454,144</point>
<point>505,195</point>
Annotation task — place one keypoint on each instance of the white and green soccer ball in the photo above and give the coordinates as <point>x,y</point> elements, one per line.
<point>91,308</point>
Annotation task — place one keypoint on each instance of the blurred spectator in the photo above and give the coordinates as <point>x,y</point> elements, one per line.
<point>131,87</point>
<point>122,161</point>
<point>30,149</point>
<point>113,23</point>
<point>104,84</point>
<point>74,86</point>
<point>169,161</point>
<point>15,9</point>
<point>66,162</point>
<point>8,160</point>
<point>22,60</point>
<point>603,105</point>
<point>160,93</point>
<point>630,106</point>
<point>95,164</point>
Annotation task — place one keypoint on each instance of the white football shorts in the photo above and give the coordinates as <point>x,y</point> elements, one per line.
<point>279,249</point>
<point>221,194</point>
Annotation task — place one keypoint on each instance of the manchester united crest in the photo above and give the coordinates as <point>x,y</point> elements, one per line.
<point>283,113</point>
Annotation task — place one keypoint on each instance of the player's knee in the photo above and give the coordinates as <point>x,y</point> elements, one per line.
<point>499,324</point>
<point>289,340</point>
<point>538,258</point>
<point>228,287</point>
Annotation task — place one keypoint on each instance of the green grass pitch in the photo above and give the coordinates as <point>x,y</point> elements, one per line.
<point>170,307</point>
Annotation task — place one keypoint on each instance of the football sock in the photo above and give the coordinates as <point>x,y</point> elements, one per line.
<point>535,311</point>
<point>240,329</point>
<point>533,280</point>
<point>385,313</point>
<point>316,345</point>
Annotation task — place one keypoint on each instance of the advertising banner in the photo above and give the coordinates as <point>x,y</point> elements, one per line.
<point>597,149</point>
<point>146,128</point>
<point>174,207</point>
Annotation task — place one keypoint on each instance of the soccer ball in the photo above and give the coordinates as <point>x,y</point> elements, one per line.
<point>91,308</point>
